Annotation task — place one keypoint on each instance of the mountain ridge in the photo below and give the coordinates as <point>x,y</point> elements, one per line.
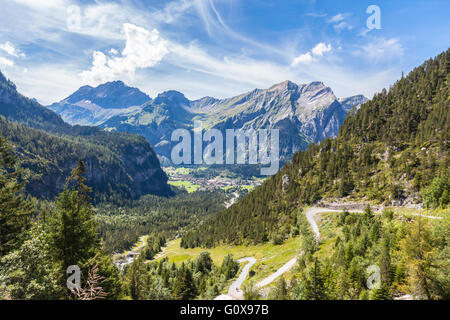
<point>304,113</point>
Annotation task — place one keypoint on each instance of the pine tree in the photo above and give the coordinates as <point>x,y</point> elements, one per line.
<point>136,279</point>
<point>382,293</point>
<point>313,286</point>
<point>75,233</point>
<point>184,286</point>
<point>418,248</point>
<point>75,237</point>
<point>29,272</point>
<point>15,212</point>
<point>280,292</point>
<point>385,261</point>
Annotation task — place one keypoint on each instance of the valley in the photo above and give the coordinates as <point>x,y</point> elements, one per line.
<point>209,179</point>
<point>364,186</point>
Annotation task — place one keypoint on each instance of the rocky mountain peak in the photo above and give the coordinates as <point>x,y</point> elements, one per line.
<point>172,97</point>
<point>353,101</point>
<point>285,85</point>
<point>110,95</point>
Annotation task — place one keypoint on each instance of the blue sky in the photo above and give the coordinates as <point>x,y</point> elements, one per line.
<point>215,47</point>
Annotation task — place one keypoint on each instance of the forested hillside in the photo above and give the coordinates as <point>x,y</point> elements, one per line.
<point>119,166</point>
<point>121,226</point>
<point>393,150</point>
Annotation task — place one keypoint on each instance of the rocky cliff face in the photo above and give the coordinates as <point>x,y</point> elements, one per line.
<point>303,113</point>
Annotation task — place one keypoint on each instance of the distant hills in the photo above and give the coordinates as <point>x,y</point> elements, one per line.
<point>120,166</point>
<point>304,113</point>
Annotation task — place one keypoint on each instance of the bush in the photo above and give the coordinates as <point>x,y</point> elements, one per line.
<point>436,194</point>
<point>388,214</point>
<point>277,239</point>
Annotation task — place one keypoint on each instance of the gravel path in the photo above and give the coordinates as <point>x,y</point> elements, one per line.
<point>285,268</point>
<point>422,215</point>
<point>235,292</point>
<point>235,288</point>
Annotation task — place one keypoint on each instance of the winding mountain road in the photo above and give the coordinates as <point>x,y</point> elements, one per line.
<point>313,211</point>
<point>235,292</point>
<point>285,268</point>
<point>311,217</point>
<point>232,200</point>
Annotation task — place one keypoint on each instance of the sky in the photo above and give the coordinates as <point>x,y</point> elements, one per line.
<point>218,48</point>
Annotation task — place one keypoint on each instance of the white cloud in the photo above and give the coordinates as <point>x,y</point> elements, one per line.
<point>337,18</point>
<point>6,62</point>
<point>320,49</point>
<point>341,26</point>
<point>113,51</point>
<point>303,58</point>
<point>9,48</point>
<point>41,4</point>
<point>316,15</point>
<point>217,27</point>
<point>143,49</point>
<point>382,49</point>
<point>339,23</point>
<point>364,31</point>
<point>238,69</point>
<point>102,20</point>
<point>174,10</point>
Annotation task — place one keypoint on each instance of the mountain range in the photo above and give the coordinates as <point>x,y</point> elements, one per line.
<point>304,113</point>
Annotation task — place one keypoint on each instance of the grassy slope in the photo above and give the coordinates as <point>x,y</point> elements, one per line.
<point>270,257</point>
<point>189,186</point>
